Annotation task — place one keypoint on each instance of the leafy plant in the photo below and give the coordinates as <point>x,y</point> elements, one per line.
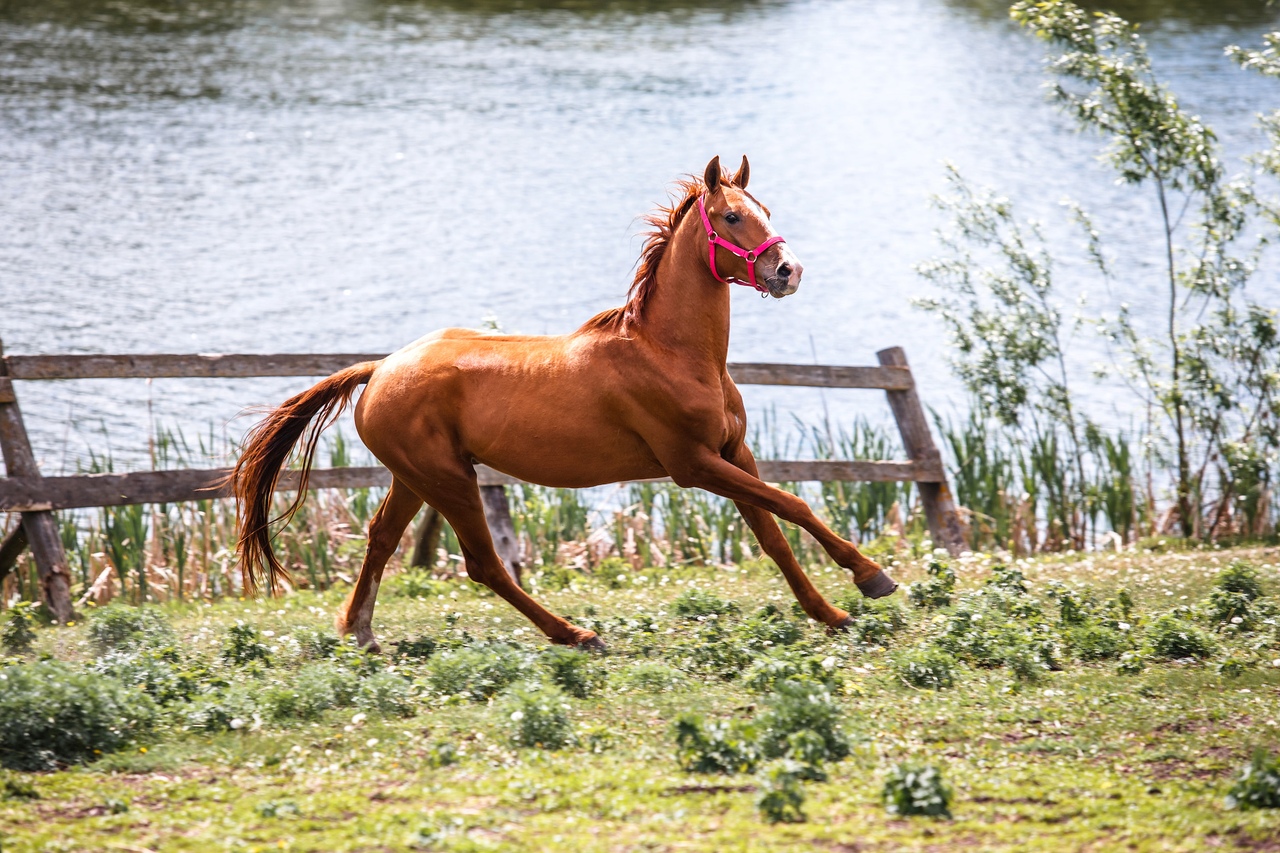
<point>912,789</point>
<point>121,626</point>
<point>781,797</point>
<point>1258,786</point>
<point>718,747</point>
<point>53,714</point>
<point>19,634</point>
<point>935,592</point>
<point>477,672</point>
<point>575,672</point>
<point>244,645</point>
<point>539,717</point>
<point>925,666</point>
<point>797,706</point>
<point>1174,638</point>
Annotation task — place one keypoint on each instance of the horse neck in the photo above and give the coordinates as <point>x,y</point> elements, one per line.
<point>689,310</point>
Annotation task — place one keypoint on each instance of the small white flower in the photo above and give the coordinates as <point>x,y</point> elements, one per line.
<point>358,719</point>
<point>1124,626</point>
<point>268,633</point>
<point>1236,620</point>
<point>1276,662</point>
<point>829,662</point>
<point>517,716</point>
<point>237,723</point>
<point>371,742</point>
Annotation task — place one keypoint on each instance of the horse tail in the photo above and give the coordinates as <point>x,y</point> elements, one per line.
<point>267,447</point>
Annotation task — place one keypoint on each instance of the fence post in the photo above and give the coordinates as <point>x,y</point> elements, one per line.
<point>939,505</point>
<point>497,511</point>
<point>40,528</point>
<point>426,539</point>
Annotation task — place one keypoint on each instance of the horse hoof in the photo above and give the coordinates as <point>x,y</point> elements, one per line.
<point>878,586</point>
<point>595,644</point>
<point>840,627</point>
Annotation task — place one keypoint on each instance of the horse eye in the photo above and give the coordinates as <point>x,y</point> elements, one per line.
<point>731,218</point>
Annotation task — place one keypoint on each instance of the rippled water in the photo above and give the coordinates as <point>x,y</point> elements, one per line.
<point>346,176</point>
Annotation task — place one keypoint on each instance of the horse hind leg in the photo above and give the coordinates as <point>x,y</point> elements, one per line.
<point>457,497</point>
<point>355,616</point>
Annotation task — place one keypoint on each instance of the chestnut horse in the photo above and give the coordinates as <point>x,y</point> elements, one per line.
<point>637,392</point>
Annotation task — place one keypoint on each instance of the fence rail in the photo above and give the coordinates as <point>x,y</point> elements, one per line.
<point>24,490</point>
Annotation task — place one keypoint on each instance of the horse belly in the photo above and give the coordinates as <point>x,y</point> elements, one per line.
<point>573,459</point>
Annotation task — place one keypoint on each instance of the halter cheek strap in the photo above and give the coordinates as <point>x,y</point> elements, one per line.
<point>750,256</point>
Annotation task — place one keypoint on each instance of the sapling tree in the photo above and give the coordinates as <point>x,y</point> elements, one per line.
<point>1210,378</point>
<point>1212,372</point>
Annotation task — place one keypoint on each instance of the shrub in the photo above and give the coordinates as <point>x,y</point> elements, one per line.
<point>442,754</point>
<point>52,715</point>
<point>315,643</point>
<point>935,592</point>
<point>916,790</point>
<point>477,672</point>
<point>797,706</point>
<point>781,797</point>
<point>387,694</point>
<point>19,633</point>
<point>162,673</point>
<point>767,628</point>
<point>713,649</point>
<point>14,787</point>
<point>1259,784</point>
<point>809,751</point>
<point>925,666</point>
<point>879,622</point>
<point>998,626</point>
<point>1173,638</point>
<point>1092,641</point>
<point>244,645</point>
<point>419,649</point>
<point>693,603</point>
<point>1012,580</point>
<point>121,626</point>
<point>539,717</point>
<point>227,710</point>
<point>769,670</point>
<point>1240,578</point>
<point>724,747</point>
<point>575,672</point>
<point>649,676</point>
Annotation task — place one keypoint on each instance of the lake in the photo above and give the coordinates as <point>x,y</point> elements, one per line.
<point>347,176</point>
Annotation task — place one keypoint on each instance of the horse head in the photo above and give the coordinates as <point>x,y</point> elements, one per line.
<point>744,248</point>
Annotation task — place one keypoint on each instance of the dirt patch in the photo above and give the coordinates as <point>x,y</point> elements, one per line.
<point>1178,768</point>
<point>1013,801</point>
<point>709,789</point>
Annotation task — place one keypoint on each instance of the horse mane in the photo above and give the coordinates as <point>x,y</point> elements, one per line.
<point>663,223</point>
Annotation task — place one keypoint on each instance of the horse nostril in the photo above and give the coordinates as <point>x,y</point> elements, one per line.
<point>784,270</point>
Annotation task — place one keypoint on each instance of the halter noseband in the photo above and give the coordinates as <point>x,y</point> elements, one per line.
<point>751,256</point>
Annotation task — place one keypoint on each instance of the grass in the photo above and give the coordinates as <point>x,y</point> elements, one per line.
<point>1083,756</point>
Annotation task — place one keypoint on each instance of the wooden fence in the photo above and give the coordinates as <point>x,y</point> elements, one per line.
<point>24,490</point>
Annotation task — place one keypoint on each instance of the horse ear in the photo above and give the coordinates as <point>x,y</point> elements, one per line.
<point>712,175</point>
<point>744,173</point>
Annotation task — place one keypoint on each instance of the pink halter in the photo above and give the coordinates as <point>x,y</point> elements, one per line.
<point>714,239</point>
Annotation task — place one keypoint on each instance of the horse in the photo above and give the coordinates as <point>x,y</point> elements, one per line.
<point>637,392</point>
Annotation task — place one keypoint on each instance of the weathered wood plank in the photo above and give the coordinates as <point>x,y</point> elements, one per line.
<point>186,365</point>
<point>242,365</point>
<point>26,494</point>
<point>822,376</point>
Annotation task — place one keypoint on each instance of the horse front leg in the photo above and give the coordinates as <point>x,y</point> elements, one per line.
<point>706,470</point>
<point>355,616</point>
